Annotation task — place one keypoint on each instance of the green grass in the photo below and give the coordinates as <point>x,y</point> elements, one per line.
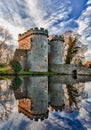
<point>6,70</point>
<point>3,71</point>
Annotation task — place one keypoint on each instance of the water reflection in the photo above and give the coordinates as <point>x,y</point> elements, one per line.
<point>38,97</point>
<point>56,95</point>
<point>32,96</point>
<point>6,101</point>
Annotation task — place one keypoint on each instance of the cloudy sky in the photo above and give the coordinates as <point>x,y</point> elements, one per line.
<point>55,15</point>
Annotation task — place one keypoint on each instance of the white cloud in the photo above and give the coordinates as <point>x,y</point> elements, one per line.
<point>48,14</point>
<point>18,16</point>
<point>13,29</point>
<point>10,18</point>
<point>84,27</point>
<point>89,2</point>
<point>37,126</point>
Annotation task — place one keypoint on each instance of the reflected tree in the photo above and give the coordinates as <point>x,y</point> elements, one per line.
<point>75,94</point>
<point>16,83</point>
<point>72,94</point>
<point>6,100</point>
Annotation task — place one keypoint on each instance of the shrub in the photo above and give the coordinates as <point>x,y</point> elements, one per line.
<point>2,65</point>
<point>16,66</point>
<point>16,83</point>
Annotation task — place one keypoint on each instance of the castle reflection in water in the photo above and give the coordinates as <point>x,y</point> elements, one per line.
<point>37,95</point>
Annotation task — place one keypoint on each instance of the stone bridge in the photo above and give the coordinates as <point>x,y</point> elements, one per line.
<point>69,69</point>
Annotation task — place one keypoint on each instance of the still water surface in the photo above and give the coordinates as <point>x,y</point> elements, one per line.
<point>45,103</point>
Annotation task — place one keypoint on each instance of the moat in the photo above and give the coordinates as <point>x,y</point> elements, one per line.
<point>46,103</point>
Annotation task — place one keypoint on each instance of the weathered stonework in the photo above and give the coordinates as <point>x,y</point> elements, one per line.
<point>38,53</point>
<point>21,56</point>
<point>24,40</point>
<point>69,69</point>
<point>36,40</point>
<point>34,44</point>
<point>56,50</point>
<point>38,57</point>
<point>38,92</point>
<point>33,99</point>
<point>56,95</point>
<point>68,79</point>
<point>24,43</point>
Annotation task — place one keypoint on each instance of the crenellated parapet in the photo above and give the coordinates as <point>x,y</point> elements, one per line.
<point>33,31</point>
<point>57,108</point>
<point>33,116</point>
<point>56,38</point>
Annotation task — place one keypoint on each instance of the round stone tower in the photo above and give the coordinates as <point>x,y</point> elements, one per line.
<point>38,93</point>
<point>33,98</point>
<point>35,40</point>
<point>56,49</point>
<point>56,95</point>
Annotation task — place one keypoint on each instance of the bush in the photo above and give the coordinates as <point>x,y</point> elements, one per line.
<point>16,66</point>
<point>2,65</point>
<point>16,83</point>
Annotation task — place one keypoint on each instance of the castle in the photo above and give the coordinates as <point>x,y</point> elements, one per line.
<point>38,93</point>
<point>37,50</point>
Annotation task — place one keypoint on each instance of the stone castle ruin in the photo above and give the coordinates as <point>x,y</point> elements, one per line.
<point>37,50</point>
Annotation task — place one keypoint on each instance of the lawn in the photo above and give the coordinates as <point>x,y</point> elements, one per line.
<point>6,70</point>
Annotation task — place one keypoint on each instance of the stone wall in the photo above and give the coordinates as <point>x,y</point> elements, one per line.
<point>69,69</point>
<point>68,79</point>
<point>24,43</point>
<point>21,56</point>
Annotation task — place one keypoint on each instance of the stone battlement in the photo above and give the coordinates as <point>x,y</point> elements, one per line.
<point>33,116</point>
<point>57,108</point>
<point>33,31</point>
<point>56,38</point>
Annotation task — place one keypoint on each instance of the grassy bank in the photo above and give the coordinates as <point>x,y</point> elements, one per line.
<point>6,70</point>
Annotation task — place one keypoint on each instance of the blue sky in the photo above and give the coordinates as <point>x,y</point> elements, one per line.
<point>55,15</point>
<point>77,7</point>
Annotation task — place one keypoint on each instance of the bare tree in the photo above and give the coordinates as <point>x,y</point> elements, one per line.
<point>5,40</point>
